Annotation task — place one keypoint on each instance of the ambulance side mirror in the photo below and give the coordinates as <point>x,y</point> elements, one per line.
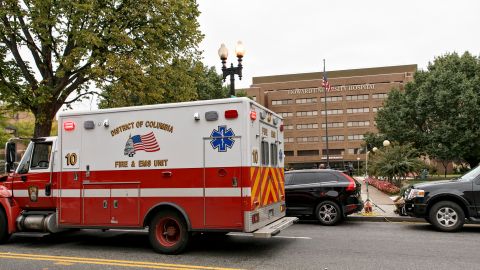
<point>10,156</point>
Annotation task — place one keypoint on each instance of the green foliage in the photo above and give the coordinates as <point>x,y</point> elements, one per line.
<point>141,48</point>
<point>373,139</point>
<point>439,112</point>
<point>395,162</point>
<point>183,81</point>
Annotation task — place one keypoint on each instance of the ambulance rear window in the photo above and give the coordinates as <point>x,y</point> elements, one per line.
<point>273,153</point>
<point>265,154</point>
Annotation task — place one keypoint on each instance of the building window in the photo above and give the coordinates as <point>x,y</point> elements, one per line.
<point>307,139</point>
<point>333,138</point>
<point>305,100</point>
<point>288,153</point>
<point>289,140</point>
<point>307,126</point>
<point>357,97</point>
<point>307,113</point>
<point>376,109</point>
<point>282,102</point>
<point>358,110</point>
<point>355,137</point>
<point>335,111</point>
<point>287,126</point>
<point>358,124</point>
<point>333,125</point>
<point>336,152</point>
<point>286,114</point>
<point>331,99</point>
<point>307,152</point>
<point>353,151</point>
<point>380,96</point>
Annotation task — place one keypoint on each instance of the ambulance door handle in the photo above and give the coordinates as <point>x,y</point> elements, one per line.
<point>167,174</point>
<point>105,203</point>
<point>234,182</point>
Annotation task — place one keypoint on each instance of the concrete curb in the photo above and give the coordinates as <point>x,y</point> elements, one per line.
<point>386,219</point>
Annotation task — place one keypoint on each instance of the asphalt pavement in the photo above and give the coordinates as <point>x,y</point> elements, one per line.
<point>307,245</point>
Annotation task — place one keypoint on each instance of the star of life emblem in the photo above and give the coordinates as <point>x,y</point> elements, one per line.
<point>222,138</point>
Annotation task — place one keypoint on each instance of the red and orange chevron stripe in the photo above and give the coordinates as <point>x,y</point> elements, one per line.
<point>268,185</point>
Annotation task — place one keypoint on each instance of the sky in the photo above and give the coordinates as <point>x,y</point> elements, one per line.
<point>288,37</point>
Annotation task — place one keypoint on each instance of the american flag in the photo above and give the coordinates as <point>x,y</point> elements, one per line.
<point>325,83</point>
<point>146,143</point>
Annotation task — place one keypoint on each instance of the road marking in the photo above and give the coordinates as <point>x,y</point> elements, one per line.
<point>83,260</point>
<point>277,236</point>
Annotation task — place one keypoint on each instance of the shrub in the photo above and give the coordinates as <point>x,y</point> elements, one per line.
<point>383,186</point>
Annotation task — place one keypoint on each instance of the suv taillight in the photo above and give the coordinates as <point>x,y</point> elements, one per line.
<point>351,183</point>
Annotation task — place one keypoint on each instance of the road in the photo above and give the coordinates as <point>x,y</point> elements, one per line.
<point>351,245</point>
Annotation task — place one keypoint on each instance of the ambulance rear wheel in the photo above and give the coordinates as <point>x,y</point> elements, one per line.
<point>168,232</point>
<point>4,235</point>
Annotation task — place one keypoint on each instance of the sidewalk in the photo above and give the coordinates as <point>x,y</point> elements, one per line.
<point>382,207</point>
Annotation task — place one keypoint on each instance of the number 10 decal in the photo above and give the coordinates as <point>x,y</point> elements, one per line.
<point>71,159</point>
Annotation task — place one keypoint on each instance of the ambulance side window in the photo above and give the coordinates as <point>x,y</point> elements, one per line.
<point>265,154</point>
<point>273,153</point>
<point>41,156</point>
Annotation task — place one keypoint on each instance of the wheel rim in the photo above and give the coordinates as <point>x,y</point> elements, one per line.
<point>447,217</point>
<point>167,231</point>
<point>327,213</point>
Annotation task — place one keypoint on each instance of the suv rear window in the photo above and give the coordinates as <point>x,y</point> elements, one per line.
<point>288,179</point>
<point>314,177</point>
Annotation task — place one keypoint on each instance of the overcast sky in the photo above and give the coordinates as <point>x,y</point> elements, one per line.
<point>287,37</point>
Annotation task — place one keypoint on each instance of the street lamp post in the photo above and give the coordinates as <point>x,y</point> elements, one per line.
<point>231,71</point>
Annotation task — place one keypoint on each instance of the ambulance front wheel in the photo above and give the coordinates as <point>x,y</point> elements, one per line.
<point>4,235</point>
<point>168,232</point>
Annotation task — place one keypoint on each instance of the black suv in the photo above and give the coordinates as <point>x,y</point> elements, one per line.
<point>446,204</point>
<point>328,195</point>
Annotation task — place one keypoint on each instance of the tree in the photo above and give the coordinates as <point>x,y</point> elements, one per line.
<point>182,81</point>
<point>441,107</point>
<point>75,44</point>
<point>395,162</point>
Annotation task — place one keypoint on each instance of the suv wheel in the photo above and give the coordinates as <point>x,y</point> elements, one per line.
<point>328,213</point>
<point>447,216</point>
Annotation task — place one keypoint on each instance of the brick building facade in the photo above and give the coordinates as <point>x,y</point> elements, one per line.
<point>351,106</point>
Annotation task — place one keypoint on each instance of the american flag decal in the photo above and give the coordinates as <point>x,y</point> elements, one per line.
<point>146,143</point>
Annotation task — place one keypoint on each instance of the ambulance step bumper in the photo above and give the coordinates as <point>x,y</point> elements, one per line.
<point>275,228</point>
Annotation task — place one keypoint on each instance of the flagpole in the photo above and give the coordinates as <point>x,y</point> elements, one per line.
<point>326,113</point>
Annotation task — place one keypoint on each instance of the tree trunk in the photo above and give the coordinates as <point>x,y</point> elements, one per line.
<point>445,165</point>
<point>43,123</point>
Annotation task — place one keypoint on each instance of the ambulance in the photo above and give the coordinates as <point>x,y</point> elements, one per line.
<point>178,169</point>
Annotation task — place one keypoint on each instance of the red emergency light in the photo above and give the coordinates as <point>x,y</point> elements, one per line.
<point>253,115</point>
<point>231,114</point>
<point>68,125</point>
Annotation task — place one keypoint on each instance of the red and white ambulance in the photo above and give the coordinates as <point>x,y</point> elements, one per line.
<point>205,166</point>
